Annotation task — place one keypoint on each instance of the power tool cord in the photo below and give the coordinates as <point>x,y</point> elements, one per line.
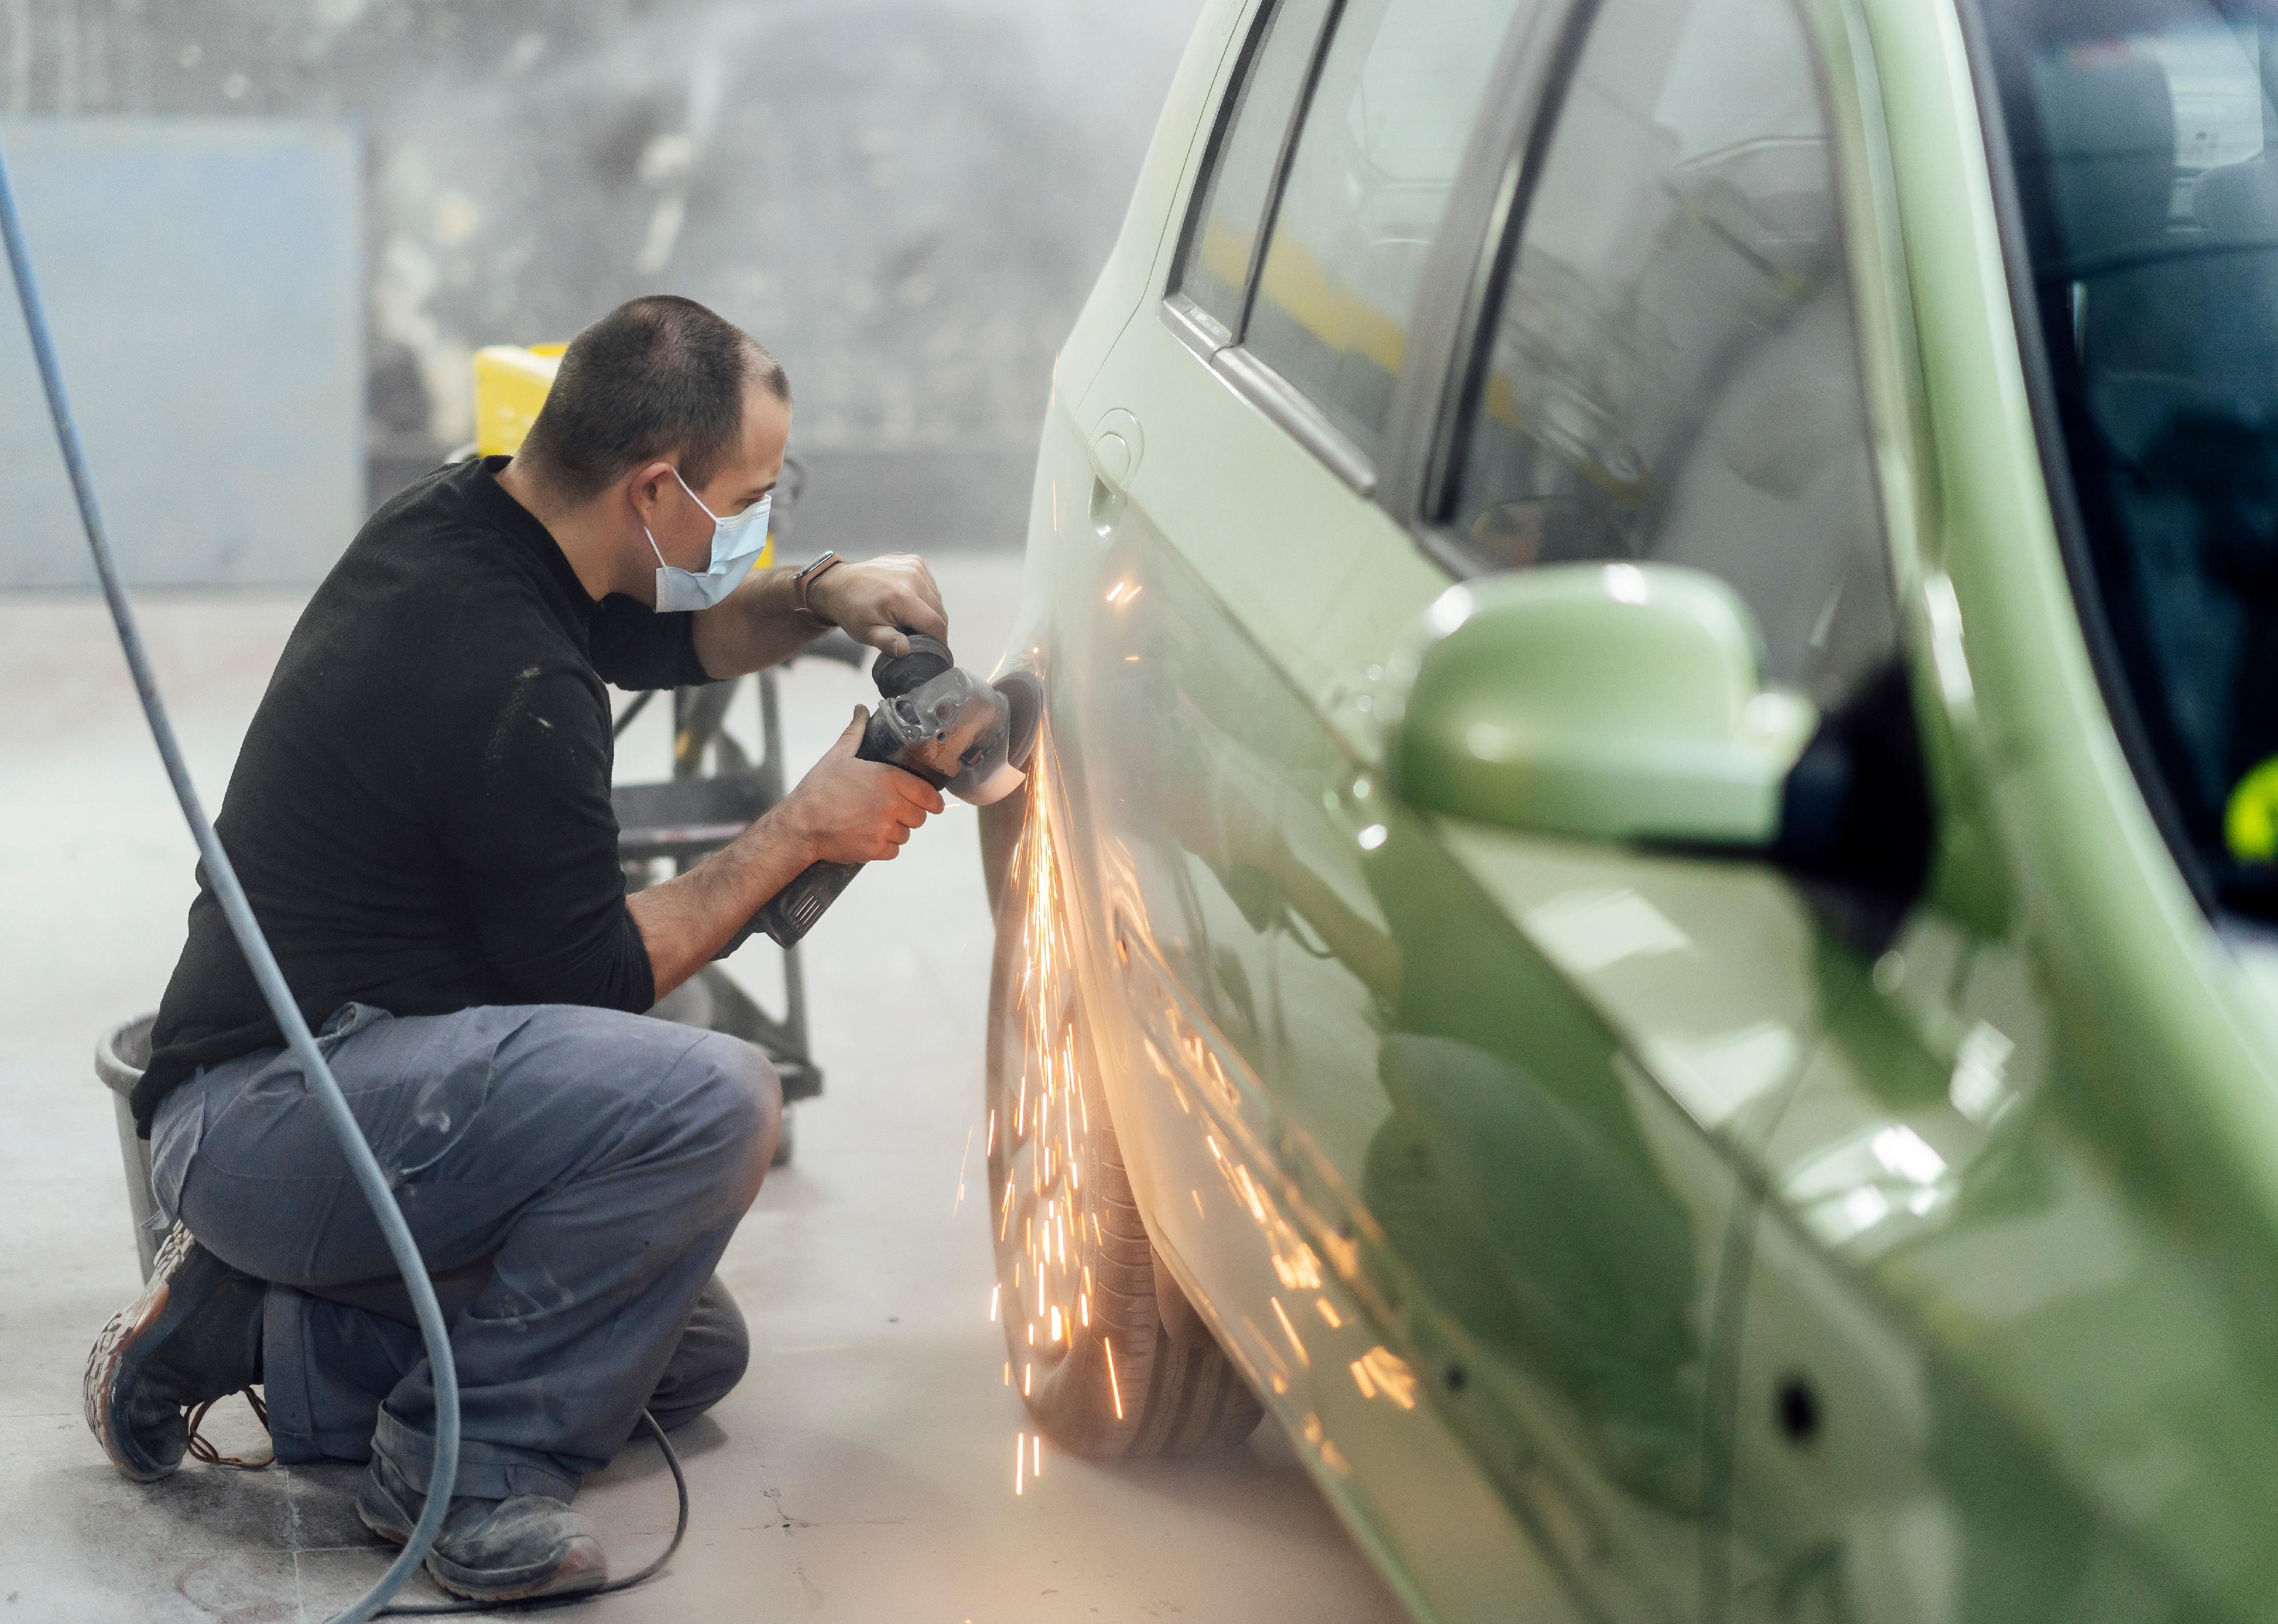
<point>538,1602</point>
<point>247,929</point>
<point>206,1451</point>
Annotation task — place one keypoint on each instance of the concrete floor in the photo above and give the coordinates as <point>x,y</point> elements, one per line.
<point>863,1471</point>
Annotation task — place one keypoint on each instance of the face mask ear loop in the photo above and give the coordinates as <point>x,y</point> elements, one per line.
<point>701,507</point>
<point>693,497</point>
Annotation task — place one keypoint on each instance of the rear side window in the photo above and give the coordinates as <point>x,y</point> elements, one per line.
<point>1366,193</point>
<point>1671,372</point>
<point>1222,242</point>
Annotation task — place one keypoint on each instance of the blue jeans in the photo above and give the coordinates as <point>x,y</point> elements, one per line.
<point>571,1174</point>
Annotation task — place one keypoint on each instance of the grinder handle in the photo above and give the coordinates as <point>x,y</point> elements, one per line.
<point>791,912</point>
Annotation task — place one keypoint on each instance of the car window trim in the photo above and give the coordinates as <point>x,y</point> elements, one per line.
<point>1280,401</point>
<point>1332,19</point>
<point>1441,426</point>
<point>1275,397</point>
<point>1528,81</point>
<point>1229,105</point>
<point>1513,88</point>
<point>1196,328</point>
<point>1292,410</point>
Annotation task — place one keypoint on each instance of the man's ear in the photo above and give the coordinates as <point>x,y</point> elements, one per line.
<point>645,486</point>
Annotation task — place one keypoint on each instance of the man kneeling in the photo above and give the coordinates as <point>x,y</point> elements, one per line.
<point>420,815</point>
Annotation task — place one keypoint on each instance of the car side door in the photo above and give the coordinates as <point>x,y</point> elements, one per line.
<point>1517,1066</point>
<point>1223,550</point>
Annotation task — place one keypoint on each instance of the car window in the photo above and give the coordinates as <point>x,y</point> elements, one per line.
<point>1367,188</point>
<point>1222,242</point>
<point>1671,371</point>
<point>2147,186</point>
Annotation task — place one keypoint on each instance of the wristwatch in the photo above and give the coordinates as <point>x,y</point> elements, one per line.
<point>804,581</point>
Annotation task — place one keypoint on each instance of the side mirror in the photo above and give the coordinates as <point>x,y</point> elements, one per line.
<point>1612,702</point>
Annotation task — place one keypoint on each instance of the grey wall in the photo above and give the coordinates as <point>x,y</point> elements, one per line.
<point>906,198</point>
<point>208,314</point>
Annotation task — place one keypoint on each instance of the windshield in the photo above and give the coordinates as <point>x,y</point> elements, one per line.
<point>2145,142</point>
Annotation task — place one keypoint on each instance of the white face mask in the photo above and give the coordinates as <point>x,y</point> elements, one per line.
<point>736,543</point>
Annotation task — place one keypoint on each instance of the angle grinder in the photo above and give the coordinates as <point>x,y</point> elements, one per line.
<point>964,736</point>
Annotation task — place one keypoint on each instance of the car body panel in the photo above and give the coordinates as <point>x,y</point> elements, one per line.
<point>1227,765</point>
<point>1223,823</point>
<point>1174,841</point>
<point>1541,1227</point>
<point>1250,511</point>
<point>1951,1256</point>
<point>2075,1392</point>
<point>1185,1100</point>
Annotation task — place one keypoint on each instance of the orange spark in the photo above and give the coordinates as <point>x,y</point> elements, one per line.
<point>1290,1332</point>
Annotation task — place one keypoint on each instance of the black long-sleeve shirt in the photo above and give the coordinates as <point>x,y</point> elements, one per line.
<point>420,813</point>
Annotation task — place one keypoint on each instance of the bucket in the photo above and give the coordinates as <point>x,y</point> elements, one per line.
<point>119,1060</point>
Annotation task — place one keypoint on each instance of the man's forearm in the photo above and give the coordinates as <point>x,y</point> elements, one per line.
<point>689,918</point>
<point>758,625</point>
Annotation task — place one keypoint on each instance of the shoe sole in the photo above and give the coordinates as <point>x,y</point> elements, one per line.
<point>115,1359</point>
<point>582,1567</point>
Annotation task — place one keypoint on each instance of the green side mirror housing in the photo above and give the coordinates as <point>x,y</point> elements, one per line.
<point>1617,702</point>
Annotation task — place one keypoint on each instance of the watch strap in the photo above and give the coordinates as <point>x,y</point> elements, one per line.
<point>803,582</point>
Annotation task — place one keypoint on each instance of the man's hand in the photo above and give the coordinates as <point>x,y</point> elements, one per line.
<point>847,810</point>
<point>877,602</point>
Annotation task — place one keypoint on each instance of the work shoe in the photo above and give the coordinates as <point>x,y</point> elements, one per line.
<point>194,1335</point>
<point>489,1550</point>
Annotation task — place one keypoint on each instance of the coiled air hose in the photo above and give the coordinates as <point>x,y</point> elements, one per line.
<point>250,941</point>
<point>255,946</point>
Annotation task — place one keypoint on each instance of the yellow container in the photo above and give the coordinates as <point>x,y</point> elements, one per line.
<point>510,385</point>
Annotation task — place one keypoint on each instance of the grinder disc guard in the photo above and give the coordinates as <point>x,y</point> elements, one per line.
<point>1024,697</point>
<point>955,731</point>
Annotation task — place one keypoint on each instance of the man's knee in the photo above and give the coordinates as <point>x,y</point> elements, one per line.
<point>740,1101</point>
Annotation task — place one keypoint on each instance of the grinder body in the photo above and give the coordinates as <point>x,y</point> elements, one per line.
<point>964,736</point>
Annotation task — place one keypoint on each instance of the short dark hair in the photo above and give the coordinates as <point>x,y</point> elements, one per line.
<point>659,376</point>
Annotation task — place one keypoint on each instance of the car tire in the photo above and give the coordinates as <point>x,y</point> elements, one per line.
<point>1135,1371</point>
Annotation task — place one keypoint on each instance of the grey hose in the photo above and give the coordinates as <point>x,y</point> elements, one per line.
<point>231,895</point>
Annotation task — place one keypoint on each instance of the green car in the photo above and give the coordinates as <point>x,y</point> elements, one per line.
<point>1648,907</point>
